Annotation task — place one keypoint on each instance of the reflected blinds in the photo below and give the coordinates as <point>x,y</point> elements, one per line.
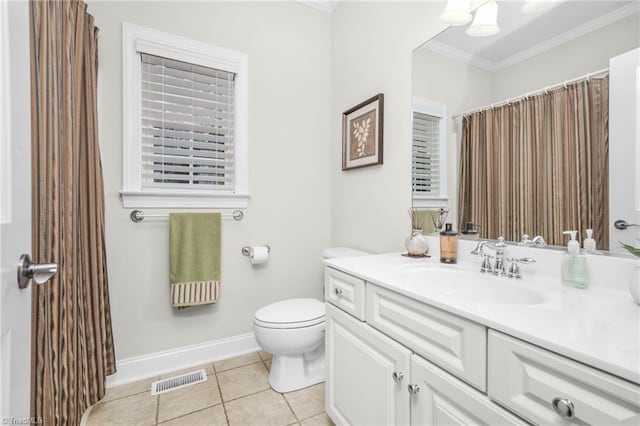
<point>188,124</point>
<point>425,154</point>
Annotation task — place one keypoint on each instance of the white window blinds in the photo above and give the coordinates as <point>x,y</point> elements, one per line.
<point>188,125</point>
<point>425,154</point>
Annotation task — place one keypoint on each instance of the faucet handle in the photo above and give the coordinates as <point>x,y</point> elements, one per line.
<point>486,263</point>
<point>514,269</point>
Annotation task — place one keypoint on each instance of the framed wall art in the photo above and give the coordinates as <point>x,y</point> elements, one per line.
<point>362,129</point>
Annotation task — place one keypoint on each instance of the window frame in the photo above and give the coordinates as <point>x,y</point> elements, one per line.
<point>136,40</point>
<point>436,110</point>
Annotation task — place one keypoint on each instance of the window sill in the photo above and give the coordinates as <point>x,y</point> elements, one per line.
<point>425,203</point>
<point>177,199</point>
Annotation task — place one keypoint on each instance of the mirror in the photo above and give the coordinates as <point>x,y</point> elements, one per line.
<point>538,53</point>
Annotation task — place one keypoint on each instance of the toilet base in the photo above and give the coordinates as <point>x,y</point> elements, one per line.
<point>289,373</point>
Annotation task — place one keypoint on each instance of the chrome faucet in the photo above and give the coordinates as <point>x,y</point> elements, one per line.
<point>498,267</point>
<point>537,241</point>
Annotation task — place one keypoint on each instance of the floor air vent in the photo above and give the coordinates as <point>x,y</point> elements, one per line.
<point>178,382</point>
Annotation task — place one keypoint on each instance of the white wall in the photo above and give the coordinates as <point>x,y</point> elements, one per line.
<point>459,86</point>
<point>289,52</point>
<point>371,50</point>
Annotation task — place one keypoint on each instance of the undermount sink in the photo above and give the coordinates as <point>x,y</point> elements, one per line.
<point>470,286</point>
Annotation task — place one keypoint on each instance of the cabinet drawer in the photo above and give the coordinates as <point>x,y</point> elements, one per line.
<point>345,292</point>
<point>444,400</point>
<point>527,379</point>
<point>457,345</point>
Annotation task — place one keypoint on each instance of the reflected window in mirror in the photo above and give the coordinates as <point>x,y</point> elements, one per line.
<point>428,154</point>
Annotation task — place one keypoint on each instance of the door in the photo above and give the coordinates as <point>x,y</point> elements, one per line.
<point>367,374</point>
<point>15,208</point>
<point>624,148</point>
<point>441,399</point>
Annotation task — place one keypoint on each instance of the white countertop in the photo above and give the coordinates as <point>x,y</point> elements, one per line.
<point>598,326</point>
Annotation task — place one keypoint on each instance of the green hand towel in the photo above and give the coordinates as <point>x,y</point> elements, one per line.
<point>194,246</point>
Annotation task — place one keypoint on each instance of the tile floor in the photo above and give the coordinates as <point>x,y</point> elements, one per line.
<point>236,392</point>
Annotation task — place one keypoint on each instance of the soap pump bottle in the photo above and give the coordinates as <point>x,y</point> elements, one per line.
<point>574,264</point>
<point>589,243</point>
<point>448,245</point>
<point>470,230</point>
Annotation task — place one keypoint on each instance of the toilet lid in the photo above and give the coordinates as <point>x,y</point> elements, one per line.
<point>291,313</point>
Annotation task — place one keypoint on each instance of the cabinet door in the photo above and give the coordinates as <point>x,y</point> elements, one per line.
<point>360,384</point>
<point>441,399</point>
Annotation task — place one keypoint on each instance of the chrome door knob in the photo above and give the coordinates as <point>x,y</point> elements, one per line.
<point>40,273</point>
<point>397,376</point>
<point>413,389</point>
<point>337,291</point>
<point>563,407</point>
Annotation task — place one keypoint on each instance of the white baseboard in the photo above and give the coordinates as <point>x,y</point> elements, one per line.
<point>150,365</point>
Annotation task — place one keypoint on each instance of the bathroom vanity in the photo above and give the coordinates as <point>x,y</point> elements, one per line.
<point>412,341</point>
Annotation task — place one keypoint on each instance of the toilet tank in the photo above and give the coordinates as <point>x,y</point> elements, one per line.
<point>337,252</point>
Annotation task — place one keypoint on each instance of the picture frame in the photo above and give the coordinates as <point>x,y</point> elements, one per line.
<point>362,134</point>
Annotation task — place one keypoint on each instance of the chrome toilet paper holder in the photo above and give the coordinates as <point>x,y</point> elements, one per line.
<point>248,250</point>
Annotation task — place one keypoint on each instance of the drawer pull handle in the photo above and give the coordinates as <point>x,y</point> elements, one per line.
<point>337,291</point>
<point>563,407</point>
<point>397,376</point>
<point>413,389</point>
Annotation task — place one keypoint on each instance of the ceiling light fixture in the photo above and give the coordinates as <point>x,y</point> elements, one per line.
<point>457,12</point>
<point>485,23</point>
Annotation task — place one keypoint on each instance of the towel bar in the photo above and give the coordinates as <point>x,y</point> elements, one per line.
<point>138,215</point>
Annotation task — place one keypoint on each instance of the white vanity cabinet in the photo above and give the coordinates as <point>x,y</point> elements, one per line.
<point>373,380</point>
<point>378,379</point>
<point>394,360</point>
<point>366,374</point>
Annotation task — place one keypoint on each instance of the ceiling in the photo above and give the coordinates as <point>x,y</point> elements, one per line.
<point>537,32</point>
<point>326,6</point>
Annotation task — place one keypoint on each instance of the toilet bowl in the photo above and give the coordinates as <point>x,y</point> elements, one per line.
<point>292,331</point>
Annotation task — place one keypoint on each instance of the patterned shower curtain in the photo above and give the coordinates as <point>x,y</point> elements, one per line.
<point>72,345</point>
<point>539,166</point>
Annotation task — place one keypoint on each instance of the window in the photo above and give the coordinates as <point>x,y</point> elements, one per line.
<point>185,119</point>
<point>428,155</point>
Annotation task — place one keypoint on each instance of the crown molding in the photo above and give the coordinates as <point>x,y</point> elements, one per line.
<point>460,55</point>
<point>578,31</point>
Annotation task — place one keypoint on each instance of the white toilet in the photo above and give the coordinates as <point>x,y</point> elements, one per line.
<point>292,331</point>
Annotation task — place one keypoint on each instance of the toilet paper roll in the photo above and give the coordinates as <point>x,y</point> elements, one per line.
<point>260,255</point>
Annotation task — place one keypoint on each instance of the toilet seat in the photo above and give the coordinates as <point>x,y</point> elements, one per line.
<point>291,313</point>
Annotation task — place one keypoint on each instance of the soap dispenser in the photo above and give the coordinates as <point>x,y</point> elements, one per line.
<point>448,245</point>
<point>574,264</point>
<point>589,243</point>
